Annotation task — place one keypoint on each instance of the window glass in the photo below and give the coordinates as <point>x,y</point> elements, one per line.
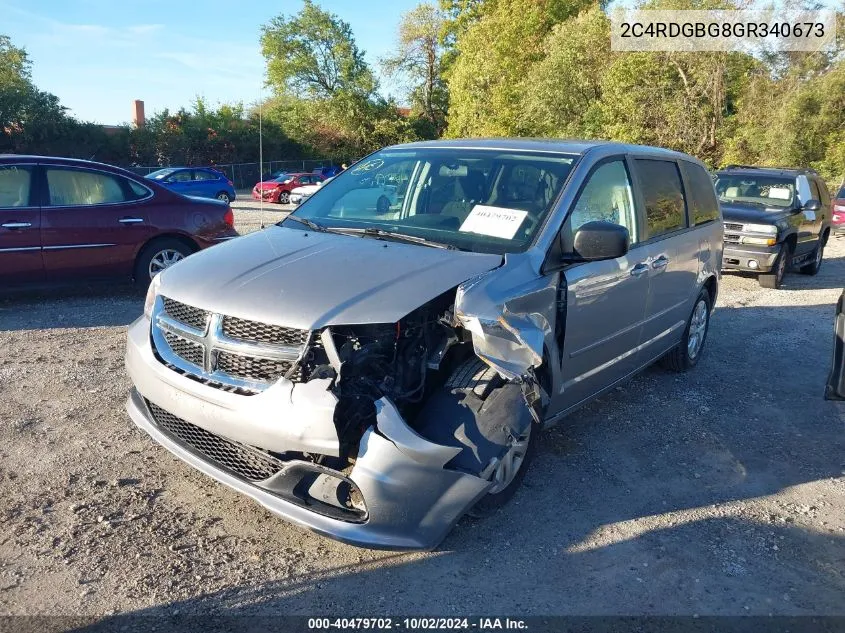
<point>15,183</point>
<point>482,200</point>
<point>771,191</point>
<point>665,209</point>
<point>841,194</point>
<point>71,187</point>
<point>814,190</point>
<point>606,196</point>
<point>202,174</point>
<point>180,176</point>
<point>138,191</point>
<point>704,207</point>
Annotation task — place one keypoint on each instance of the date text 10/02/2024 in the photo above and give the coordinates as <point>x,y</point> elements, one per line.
<point>417,623</point>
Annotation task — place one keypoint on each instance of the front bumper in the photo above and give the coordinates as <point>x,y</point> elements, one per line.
<point>737,257</point>
<point>411,500</point>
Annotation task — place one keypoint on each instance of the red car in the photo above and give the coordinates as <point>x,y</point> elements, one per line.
<point>278,190</point>
<point>66,219</point>
<point>837,222</point>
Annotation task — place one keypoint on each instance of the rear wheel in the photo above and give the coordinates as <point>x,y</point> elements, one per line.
<point>775,279</point>
<point>158,255</point>
<point>815,265</point>
<point>223,197</point>
<point>687,352</point>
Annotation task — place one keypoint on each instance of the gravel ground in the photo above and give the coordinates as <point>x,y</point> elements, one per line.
<point>717,492</point>
<point>249,214</point>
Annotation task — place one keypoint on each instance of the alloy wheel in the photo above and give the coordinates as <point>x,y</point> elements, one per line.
<point>504,471</point>
<point>224,197</point>
<point>164,259</point>
<point>697,329</point>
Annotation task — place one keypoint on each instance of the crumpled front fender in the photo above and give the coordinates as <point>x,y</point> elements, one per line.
<point>511,316</point>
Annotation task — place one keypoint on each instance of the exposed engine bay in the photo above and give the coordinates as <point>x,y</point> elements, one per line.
<point>403,361</point>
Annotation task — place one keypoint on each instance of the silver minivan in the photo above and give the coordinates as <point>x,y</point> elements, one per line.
<point>383,361</point>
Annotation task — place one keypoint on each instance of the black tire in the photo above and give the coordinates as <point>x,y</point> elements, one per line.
<point>774,280</point>
<point>223,196</point>
<point>679,358</point>
<point>284,198</point>
<point>154,248</point>
<point>815,265</point>
<point>476,380</point>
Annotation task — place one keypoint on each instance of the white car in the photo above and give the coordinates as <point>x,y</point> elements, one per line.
<point>301,194</point>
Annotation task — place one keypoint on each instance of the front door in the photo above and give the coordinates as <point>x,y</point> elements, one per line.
<point>93,223</point>
<point>20,226</point>
<point>606,300</point>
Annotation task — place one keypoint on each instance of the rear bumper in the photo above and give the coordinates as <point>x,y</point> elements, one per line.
<point>735,257</point>
<point>411,500</point>
<point>839,229</point>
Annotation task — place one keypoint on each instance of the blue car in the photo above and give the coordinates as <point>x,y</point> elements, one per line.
<point>202,182</point>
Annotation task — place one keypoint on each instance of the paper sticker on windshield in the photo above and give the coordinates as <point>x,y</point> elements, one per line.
<point>780,193</point>
<point>494,221</point>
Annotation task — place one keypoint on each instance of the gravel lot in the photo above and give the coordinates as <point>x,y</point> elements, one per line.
<point>718,492</point>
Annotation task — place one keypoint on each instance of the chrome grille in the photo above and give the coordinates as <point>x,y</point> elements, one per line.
<point>252,368</point>
<point>730,226</point>
<point>224,352</point>
<point>254,331</point>
<point>182,347</point>
<point>731,239</point>
<point>245,461</point>
<point>189,315</point>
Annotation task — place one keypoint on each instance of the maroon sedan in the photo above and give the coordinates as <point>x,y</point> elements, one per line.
<point>66,219</point>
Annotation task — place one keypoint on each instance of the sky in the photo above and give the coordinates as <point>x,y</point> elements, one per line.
<point>98,56</point>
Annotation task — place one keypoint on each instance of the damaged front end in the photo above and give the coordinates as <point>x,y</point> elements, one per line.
<point>368,435</point>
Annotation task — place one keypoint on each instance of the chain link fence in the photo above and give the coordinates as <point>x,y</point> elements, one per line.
<point>245,175</point>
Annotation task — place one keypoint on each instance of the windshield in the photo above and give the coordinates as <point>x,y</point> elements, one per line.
<point>766,190</point>
<point>486,201</point>
<point>161,173</point>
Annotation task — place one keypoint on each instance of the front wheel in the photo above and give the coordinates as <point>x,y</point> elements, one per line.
<point>284,198</point>
<point>775,279</point>
<point>157,256</point>
<point>815,265</point>
<point>687,352</point>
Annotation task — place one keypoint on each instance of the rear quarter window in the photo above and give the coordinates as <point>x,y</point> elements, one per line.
<point>701,196</point>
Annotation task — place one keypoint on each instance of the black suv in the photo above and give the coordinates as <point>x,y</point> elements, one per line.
<point>775,219</point>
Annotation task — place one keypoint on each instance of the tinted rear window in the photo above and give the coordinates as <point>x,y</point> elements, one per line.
<point>660,182</point>
<point>701,197</point>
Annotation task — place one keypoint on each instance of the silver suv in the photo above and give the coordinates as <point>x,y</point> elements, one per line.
<point>383,360</point>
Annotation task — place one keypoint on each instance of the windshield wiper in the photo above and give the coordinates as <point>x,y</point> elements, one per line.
<point>399,237</point>
<point>309,223</point>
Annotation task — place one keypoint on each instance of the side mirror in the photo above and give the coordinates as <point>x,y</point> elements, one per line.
<point>813,205</point>
<point>599,240</point>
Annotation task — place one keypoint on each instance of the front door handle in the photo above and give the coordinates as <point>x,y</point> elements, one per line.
<point>660,262</point>
<point>131,220</point>
<point>639,269</point>
<point>16,225</point>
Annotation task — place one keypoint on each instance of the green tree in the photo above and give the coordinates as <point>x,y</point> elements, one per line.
<point>418,63</point>
<point>314,54</point>
<point>566,86</point>
<point>487,80</point>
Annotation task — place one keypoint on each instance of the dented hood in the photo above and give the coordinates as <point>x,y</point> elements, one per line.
<point>309,280</point>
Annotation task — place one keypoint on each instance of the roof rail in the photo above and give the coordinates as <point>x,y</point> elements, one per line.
<point>807,170</point>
